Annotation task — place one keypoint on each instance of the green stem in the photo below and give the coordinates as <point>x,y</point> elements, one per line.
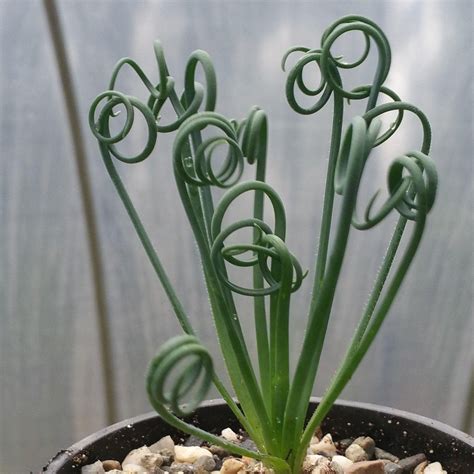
<point>281,361</point>
<point>361,343</point>
<point>259,121</point>
<point>424,188</point>
<point>234,350</point>
<point>328,199</point>
<point>311,351</point>
<point>192,195</point>
<point>161,273</point>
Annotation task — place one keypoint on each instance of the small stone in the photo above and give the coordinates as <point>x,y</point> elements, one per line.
<point>193,441</point>
<point>204,464</point>
<point>325,447</point>
<point>142,457</point>
<point>323,466</point>
<point>163,446</point>
<point>134,469</point>
<point>311,461</point>
<point>326,469</point>
<point>257,468</point>
<point>167,459</point>
<point>392,468</point>
<point>355,453</point>
<point>248,461</point>
<point>381,454</point>
<point>229,435</point>
<point>218,462</point>
<point>189,454</point>
<point>336,468</point>
<point>434,468</point>
<point>95,468</point>
<point>185,468</point>
<point>111,464</point>
<point>367,444</point>
<point>342,461</point>
<point>231,466</point>
<point>411,462</point>
<point>248,444</point>
<point>420,468</point>
<point>218,451</point>
<point>343,444</point>
<point>366,467</point>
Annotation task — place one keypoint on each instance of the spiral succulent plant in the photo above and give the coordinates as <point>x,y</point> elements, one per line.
<point>272,403</point>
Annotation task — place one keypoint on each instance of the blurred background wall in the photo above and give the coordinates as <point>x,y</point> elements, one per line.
<point>52,389</point>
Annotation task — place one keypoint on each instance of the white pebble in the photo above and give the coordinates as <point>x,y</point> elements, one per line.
<point>420,468</point>
<point>342,461</point>
<point>134,469</point>
<point>165,443</point>
<point>335,468</point>
<point>434,468</point>
<point>322,467</point>
<point>189,454</point>
<point>142,457</point>
<point>229,435</point>
<point>355,453</point>
<point>95,468</point>
<point>311,461</point>
<point>325,446</point>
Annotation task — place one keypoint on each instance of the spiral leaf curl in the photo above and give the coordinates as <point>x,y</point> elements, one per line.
<point>331,81</point>
<point>262,246</point>
<point>399,193</point>
<point>253,133</point>
<point>101,128</point>
<point>295,77</point>
<point>167,405</point>
<point>371,31</point>
<point>200,172</point>
<point>172,353</point>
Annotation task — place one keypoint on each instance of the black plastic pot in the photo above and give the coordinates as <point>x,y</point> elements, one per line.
<point>398,432</point>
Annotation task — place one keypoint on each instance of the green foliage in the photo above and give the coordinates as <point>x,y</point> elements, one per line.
<point>273,405</point>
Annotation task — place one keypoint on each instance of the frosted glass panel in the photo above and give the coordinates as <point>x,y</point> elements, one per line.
<point>50,388</point>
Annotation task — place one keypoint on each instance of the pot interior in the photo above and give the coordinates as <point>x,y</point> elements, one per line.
<point>400,433</point>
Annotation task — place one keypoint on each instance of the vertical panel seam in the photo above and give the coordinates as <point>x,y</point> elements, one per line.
<point>90,217</point>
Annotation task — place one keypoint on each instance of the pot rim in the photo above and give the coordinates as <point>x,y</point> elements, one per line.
<point>434,424</point>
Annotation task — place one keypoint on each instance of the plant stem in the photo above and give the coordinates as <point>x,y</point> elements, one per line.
<point>309,357</point>
<point>361,343</point>
<point>258,120</point>
<point>328,199</point>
